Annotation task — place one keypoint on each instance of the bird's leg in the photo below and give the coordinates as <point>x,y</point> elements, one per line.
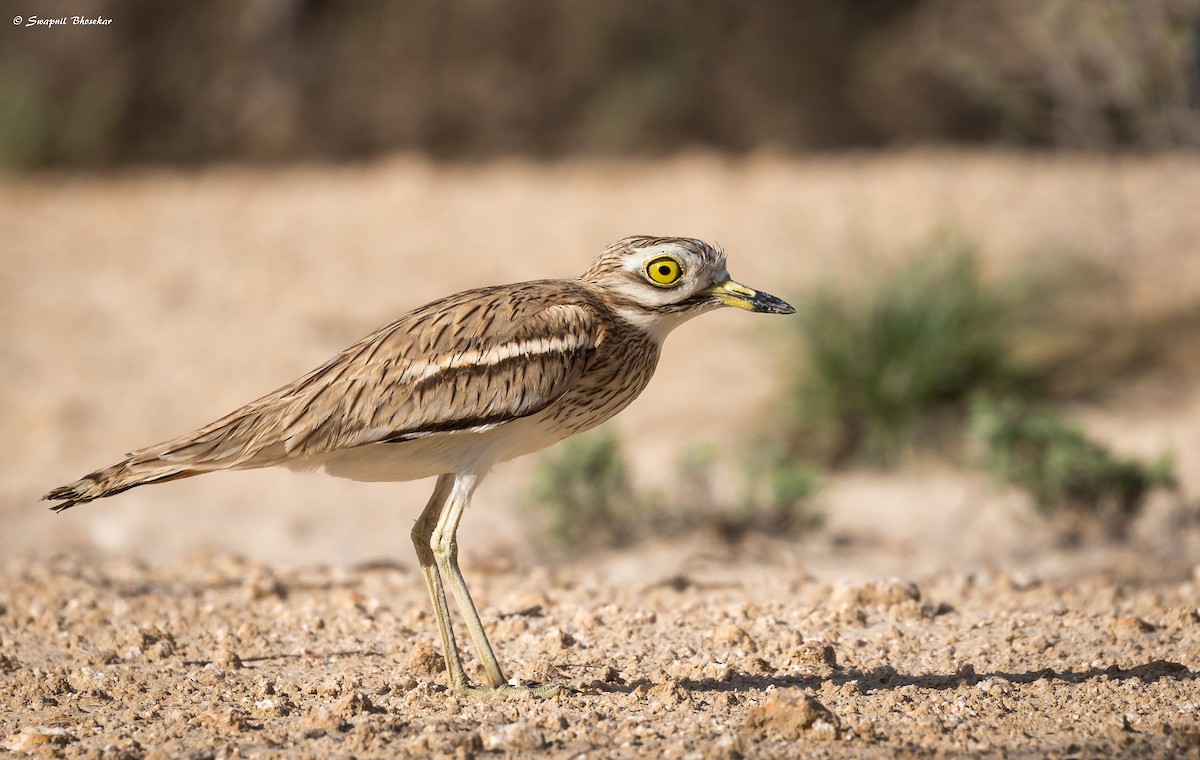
<point>445,551</point>
<point>422,538</point>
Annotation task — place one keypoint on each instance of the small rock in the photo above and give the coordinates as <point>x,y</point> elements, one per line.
<point>852,614</point>
<point>558,640</point>
<point>424,660</point>
<point>353,704</point>
<point>227,658</point>
<point>1038,643</point>
<point>881,594</point>
<point>512,737</point>
<point>540,670</point>
<point>611,675</point>
<point>732,636</point>
<point>791,715</point>
<point>815,653</point>
<point>720,672</point>
<point>162,649</point>
<point>1132,624</point>
<point>760,667</point>
<point>150,637</point>
<point>319,721</point>
<point>587,620</point>
<point>669,692</point>
<point>221,717</point>
<point>31,738</point>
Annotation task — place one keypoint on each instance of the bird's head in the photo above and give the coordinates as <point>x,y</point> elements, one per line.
<point>657,283</point>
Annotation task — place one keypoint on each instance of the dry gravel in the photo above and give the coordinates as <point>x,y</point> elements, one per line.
<point>215,656</point>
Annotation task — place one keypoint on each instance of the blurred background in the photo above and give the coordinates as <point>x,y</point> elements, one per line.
<point>289,80</point>
<point>985,211</point>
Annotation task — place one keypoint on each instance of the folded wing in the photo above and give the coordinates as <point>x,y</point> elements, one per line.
<point>473,361</point>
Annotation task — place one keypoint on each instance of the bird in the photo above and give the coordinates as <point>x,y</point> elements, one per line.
<point>456,386</point>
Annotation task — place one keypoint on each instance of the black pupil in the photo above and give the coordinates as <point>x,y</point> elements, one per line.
<point>664,270</point>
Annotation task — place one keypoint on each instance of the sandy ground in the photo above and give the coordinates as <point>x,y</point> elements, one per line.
<point>267,613</point>
<point>718,657</point>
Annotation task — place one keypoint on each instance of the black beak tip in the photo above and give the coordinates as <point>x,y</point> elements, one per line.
<point>766,303</point>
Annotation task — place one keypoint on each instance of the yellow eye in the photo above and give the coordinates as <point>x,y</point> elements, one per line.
<point>664,271</point>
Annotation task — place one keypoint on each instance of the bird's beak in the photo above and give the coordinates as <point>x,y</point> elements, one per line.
<point>736,294</point>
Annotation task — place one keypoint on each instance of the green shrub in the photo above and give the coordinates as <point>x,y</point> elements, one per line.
<point>1064,471</point>
<point>583,489</point>
<point>917,354</point>
<point>584,494</point>
<point>878,364</point>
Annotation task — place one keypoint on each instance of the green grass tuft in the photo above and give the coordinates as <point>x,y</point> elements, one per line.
<point>1064,471</point>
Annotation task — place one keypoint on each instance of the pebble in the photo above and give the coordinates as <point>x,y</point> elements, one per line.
<point>792,715</point>
<point>1133,624</point>
<point>512,736</point>
<point>732,636</point>
<point>424,660</point>
<point>227,658</point>
<point>32,738</point>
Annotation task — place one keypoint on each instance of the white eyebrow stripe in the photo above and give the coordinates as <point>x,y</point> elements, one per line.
<point>420,371</point>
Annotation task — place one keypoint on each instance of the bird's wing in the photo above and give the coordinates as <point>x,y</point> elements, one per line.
<point>470,361</point>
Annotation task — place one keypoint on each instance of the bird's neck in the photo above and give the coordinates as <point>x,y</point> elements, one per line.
<point>654,325</point>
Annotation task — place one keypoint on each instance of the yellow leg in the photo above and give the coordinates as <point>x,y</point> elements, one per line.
<point>444,544</point>
<point>422,534</point>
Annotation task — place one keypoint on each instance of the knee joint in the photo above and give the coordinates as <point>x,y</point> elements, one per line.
<point>443,544</point>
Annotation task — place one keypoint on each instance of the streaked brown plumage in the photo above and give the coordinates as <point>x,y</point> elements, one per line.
<point>454,387</point>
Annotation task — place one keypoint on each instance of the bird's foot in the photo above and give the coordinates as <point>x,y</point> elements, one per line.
<point>509,690</point>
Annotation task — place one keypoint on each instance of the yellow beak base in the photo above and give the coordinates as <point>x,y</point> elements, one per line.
<point>738,295</point>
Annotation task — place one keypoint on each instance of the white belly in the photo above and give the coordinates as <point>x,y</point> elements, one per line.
<point>467,450</point>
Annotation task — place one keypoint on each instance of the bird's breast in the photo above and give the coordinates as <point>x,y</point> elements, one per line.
<point>619,373</point>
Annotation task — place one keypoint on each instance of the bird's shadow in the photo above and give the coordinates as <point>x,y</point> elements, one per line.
<point>886,678</point>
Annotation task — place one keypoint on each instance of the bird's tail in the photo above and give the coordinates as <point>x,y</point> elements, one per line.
<point>116,479</point>
<point>257,435</point>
